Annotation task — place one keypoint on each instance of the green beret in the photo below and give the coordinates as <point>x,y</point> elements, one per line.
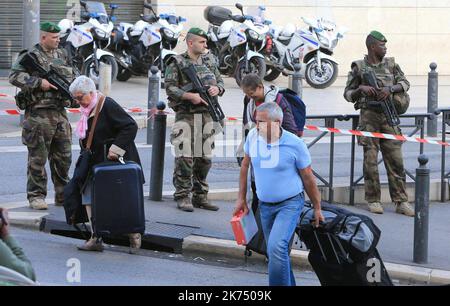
<point>378,36</point>
<point>50,27</point>
<point>198,32</point>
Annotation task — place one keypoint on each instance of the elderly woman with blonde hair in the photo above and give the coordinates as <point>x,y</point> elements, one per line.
<point>115,132</point>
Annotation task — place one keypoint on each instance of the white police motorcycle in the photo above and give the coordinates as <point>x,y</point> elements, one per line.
<point>312,48</point>
<point>240,55</point>
<point>86,41</point>
<point>149,42</point>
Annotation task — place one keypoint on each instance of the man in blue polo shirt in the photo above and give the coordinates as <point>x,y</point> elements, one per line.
<point>282,169</point>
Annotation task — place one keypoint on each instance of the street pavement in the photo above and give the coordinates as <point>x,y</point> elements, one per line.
<point>397,231</point>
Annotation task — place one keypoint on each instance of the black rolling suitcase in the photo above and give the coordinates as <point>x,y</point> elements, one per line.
<point>118,198</point>
<point>343,249</point>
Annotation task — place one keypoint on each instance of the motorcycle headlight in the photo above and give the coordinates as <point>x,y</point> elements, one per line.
<point>255,36</point>
<point>168,33</point>
<point>100,33</point>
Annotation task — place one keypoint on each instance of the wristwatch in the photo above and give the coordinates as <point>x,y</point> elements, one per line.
<point>391,89</point>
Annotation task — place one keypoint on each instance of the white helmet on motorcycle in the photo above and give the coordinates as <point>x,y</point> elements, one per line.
<point>288,30</point>
<point>65,25</point>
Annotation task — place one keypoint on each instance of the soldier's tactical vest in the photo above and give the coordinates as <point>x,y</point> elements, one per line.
<point>385,77</point>
<point>51,98</point>
<point>204,72</point>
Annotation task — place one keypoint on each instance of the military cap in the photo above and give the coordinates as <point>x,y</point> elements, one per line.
<point>378,36</point>
<point>50,27</point>
<point>198,32</point>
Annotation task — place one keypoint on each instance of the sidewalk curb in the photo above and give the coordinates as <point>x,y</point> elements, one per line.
<point>299,258</point>
<point>28,220</point>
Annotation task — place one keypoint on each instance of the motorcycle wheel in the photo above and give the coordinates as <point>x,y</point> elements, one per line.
<point>256,65</point>
<point>320,80</point>
<point>88,68</point>
<point>271,74</point>
<point>123,75</point>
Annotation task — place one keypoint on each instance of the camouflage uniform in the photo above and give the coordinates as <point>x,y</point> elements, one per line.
<point>46,130</point>
<point>193,131</point>
<point>374,120</point>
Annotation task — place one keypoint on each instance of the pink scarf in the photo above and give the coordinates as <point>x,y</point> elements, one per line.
<point>82,124</point>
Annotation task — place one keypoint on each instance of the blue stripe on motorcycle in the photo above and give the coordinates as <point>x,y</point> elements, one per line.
<point>311,41</point>
<point>156,35</point>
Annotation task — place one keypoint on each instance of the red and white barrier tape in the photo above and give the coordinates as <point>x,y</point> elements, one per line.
<point>15,112</point>
<point>137,110</point>
<point>375,135</point>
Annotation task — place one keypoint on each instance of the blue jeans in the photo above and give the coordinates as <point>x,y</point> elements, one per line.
<point>278,223</point>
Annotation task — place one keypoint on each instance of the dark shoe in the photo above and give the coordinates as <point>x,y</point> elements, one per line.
<point>135,242</point>
<point>203,203</point>
<point>185,204</point>
<point>92,245</point>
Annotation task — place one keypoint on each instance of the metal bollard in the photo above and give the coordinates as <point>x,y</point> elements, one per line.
<point>421,211</point>
<point>104,82</point>
<point>153,98</point>
<point>296,80</point>
<point>158,151</point>
<point>432,100</point>
<point>30,29</point>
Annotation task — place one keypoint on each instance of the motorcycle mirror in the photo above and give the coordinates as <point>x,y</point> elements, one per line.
<point>113,6</point>
<point>240,7</point>
<point>181,19</point>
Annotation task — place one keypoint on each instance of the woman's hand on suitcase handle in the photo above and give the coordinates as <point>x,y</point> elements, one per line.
<point>241,206</point>
<point>113,156</point>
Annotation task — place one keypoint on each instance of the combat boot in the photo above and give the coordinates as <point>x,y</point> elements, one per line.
<point>375,207</point>
<point>185,204</point>
<point>203,203</point>
<point>38,204</point>
<point>404,208</point>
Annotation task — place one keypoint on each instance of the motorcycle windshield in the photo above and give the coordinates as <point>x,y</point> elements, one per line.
<point>96,7</point>
<point>258,13</point>
<point>97,10</point>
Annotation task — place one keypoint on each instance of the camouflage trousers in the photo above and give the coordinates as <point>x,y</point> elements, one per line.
<point>47,135</point>
<point>193,139</point>
<point>391,150</point>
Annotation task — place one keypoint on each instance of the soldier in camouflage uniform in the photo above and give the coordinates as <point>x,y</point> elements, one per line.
<point>193,131</point>
<point>46,130</point>
<point>393,83</point>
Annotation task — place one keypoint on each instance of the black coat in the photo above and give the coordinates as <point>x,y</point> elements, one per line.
<point>114,126</point>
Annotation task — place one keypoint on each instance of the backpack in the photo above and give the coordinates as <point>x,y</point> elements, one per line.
<point>298,107</point>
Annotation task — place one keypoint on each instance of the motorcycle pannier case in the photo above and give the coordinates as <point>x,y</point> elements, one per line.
<point>216,15</point>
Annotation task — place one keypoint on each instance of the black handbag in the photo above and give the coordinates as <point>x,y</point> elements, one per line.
<point>75,213</point>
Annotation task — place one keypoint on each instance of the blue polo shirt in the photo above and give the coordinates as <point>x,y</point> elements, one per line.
<point>276,166</point>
